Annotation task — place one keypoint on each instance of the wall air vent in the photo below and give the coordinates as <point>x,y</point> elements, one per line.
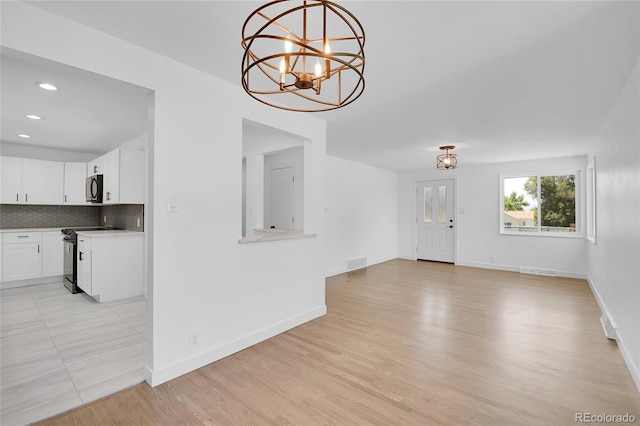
<point>537,271</point>
<point>356,263</point>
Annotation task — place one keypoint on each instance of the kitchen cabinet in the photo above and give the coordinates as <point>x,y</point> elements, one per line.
<point>83,262</point>
<point>123,173</point>
<point>110,264</point>
<point>52,254</point>
<point>26,181</point>
<point>75,175</point>
<point>21,255</point>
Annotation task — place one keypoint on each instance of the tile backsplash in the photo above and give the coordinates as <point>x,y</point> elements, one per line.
<point>121,216</point>
<point>28,216</point>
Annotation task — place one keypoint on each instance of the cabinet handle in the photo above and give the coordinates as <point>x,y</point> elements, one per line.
<point>65,198</point>
<point>26,198</point>
<point>38,248</point>
<point>23,236</point>
<point>80,255</point>
<point>17,197</point>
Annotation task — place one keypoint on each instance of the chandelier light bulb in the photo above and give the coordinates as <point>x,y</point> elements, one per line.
<point>447,160</point>
<point>318,69</point>
<point>288,46</point>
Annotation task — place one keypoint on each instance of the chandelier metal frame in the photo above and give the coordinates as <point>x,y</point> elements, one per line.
<point>292,72</point>
<point>447,161</point>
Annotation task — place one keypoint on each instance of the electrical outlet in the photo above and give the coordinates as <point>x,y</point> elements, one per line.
<point>194,339</point>
<point>492,259</point>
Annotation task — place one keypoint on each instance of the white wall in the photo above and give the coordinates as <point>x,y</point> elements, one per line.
<point>361,214</point>
<point>202,279</point>
<point>614,261</point>
<point>477,221</point>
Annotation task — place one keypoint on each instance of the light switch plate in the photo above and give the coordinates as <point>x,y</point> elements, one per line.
<point>173,203</point>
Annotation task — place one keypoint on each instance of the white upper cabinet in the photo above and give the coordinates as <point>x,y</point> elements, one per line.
<point>75,175</point>
<point>132,173</point>
<point>26,181</point>
<point>11,185</point>
<point>123,173</point>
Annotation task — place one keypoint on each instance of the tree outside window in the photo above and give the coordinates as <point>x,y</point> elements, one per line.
<point>542,203</point>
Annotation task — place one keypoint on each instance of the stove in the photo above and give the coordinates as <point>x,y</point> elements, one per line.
<point>71,256</point>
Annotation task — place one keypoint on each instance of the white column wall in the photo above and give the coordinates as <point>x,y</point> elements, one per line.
<point>361,214</point>
<point>202,279</point>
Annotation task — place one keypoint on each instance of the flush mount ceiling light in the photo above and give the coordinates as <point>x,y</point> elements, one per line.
<point>447,161</point>
<point>34,117</point>
<point>22,135</point>
<point>307,56</point>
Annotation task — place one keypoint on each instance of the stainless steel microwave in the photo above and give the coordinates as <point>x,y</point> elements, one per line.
<point>94,189</point>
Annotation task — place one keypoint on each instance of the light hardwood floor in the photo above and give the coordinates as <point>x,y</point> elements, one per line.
<point>407,342</point>
<point>61,350</point>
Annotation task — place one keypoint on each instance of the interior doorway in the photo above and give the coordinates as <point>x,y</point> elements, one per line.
<point>435,220</point>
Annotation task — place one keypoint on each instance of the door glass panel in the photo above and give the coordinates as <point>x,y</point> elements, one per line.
<point>442,204</point>
<point>428,203</point>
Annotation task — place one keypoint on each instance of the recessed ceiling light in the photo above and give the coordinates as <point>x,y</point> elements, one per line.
<point>47,86</point>
<point>22,135</point>
<point>34,117</point>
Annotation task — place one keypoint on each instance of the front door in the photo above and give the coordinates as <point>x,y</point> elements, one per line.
<point>436,237</point>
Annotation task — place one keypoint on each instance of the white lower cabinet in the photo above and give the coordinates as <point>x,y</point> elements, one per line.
<point>32,254</point>
<point>110,267</point>
<point>21,256</point>
<point>52,254</point>
<point>83,263</point>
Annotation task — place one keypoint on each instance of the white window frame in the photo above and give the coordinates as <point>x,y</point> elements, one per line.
<point>591,200</point>
<point>579,232</point>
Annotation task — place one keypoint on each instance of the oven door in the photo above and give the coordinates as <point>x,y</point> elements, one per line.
<point>69,260</point>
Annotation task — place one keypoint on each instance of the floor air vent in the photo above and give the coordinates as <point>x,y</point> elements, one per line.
<point>538,271</point>
<point>609,331</point>
<point>356,263</point>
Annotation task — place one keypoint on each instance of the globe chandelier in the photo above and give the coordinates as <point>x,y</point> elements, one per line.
<point>303,56</point>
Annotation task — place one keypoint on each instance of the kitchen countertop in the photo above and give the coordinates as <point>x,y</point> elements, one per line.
<point>31,229</point>
<point>108,233</point>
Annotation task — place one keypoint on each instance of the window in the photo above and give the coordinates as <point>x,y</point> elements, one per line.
<point>543,204</point>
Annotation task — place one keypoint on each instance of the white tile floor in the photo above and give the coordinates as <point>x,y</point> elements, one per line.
<point>60,350</point>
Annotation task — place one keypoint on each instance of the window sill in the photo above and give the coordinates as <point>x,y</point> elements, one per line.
<point>573,235</point>
<point>274,235</point>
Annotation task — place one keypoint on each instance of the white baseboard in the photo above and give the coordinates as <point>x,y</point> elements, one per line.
<point>185,365</point>
<point>633,369</point>
<point>34,281</point>
<point>408,257</point>
<point>494,266</point>
<point>373,261</point>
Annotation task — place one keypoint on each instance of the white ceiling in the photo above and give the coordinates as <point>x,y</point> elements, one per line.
<point>501,80</point>
<point>88,113</point>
